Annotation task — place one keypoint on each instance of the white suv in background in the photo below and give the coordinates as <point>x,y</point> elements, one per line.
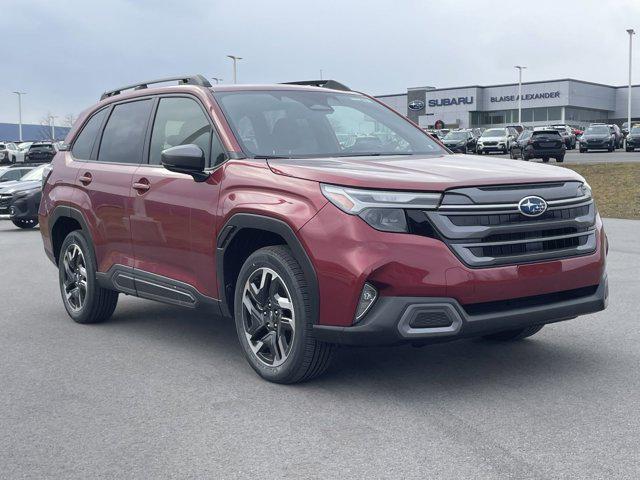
<point>496,140</point>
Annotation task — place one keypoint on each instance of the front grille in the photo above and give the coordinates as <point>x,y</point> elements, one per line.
<point>491,144</point>
<point>5,201</point>
<point>431,319</point>
<point>487,229</point>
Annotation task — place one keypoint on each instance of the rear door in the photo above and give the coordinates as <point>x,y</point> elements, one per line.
<point>174,217</point>
<point>105,182</point>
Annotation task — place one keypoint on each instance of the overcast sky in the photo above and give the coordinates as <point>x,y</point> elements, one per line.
<point>65,53</point>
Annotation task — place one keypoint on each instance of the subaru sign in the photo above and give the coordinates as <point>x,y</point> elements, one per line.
<point>416,105</point>
<point>445,102</point>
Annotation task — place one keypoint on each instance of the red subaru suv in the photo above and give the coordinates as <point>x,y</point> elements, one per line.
<point>313,216</point>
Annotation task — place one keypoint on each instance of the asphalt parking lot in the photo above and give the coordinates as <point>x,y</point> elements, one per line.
<point>163,392</point>
<point>596,156</point>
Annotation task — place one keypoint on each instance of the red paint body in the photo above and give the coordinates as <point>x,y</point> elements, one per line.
<point>171,228</point>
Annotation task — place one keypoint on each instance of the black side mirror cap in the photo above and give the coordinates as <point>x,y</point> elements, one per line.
<point>188,159</point>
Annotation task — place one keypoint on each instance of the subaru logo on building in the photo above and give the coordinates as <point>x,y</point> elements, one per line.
<point>416,105</point>
<point>532,206</point>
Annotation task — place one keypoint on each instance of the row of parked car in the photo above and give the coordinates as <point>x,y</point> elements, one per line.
<point>20,192</point>
<point>27,152</point>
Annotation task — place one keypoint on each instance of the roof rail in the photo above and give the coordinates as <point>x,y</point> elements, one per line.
<point>184,80</point>
<point>332,84</point>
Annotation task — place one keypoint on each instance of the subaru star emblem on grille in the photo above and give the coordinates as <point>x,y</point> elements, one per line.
<point>532,206</point>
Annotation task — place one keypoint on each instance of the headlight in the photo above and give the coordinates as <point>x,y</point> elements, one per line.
<point>585,189</point>
<point>383,210</point>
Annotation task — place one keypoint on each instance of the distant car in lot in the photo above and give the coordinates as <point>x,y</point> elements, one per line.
<point>597,136</point>
<point>13,172</point>
<point>8,153</point>
<point>23,209</point>
<point>567,134</point>
<point>23,148</point>
<point>29,181</point>
<point>544,144</point>
<point>517,128</point>
<point>633,139</point>
<point>496,140</point>
<point>40,152</point>
<point>617,133</point>
<point>461,141</point>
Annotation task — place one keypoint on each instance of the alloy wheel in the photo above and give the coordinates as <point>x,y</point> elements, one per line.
<point>74,277</point>
<point>268,317</point>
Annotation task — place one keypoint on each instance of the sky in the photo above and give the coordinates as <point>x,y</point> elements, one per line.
<point>64,54</point>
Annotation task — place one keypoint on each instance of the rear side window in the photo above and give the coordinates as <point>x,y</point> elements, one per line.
<point>179,121</point>
<point>123,137</point>
<point>84,142</point>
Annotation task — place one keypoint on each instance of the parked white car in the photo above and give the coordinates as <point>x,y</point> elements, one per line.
<point>8,152</point>
<point>23,148</point>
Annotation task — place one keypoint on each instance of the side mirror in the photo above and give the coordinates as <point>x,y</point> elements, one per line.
<point>188,159</point>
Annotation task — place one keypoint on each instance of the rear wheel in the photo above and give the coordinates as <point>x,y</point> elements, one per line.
<point>273,318</point>
<point>84,300</point>
<point>545,159</point>
<point>583,150</point>
<point>560,159</point>
<point>511,335</point>
<point>25,222</point>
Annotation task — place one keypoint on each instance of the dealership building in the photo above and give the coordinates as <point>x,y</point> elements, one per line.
<point>568,101</point>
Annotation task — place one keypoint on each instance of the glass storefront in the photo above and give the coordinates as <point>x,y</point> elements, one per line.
<point>502,117</point>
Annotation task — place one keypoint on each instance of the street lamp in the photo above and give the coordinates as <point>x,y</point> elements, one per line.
<point>631,33</point>
<point>520,68</point>
<point>217,79</point>
<point>52,123</point>
<point>235,67</point>
<point>19,94</point>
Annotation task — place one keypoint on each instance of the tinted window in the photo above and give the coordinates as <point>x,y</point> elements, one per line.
<point>123,137</point>
<point>11,175</point>
<point>547,133</point>
<point>179,121</point>
<point>84,142</point>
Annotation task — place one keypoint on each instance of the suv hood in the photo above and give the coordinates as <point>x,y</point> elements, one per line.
<point>419,172</point>
<point>492,139</point>
<point>16,186</point>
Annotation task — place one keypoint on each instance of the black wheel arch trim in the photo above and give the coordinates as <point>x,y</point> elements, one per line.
<point>241,221</point>
<point>65,211</point>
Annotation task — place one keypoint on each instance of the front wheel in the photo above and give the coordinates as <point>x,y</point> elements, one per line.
<point>84,299</point>
<point>511,335</point>
<point>273,318</point>
<point>25,222</point>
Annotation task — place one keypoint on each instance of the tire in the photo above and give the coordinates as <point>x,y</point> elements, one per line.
<point>25,222</point>
<point>545,159</point>
<point>610,149</point>
<point>583,150</point>
<point>98,303</point>
<point>629,149</point>
<point>560,159</point>
<point>277,340</point>
<point>512,155</point>
<point>512,335</point>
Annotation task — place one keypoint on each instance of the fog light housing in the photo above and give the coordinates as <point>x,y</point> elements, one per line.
<point>368,297</point>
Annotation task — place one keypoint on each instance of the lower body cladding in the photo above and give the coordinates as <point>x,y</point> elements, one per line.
<point>544,153</point>
<point>419,320</point>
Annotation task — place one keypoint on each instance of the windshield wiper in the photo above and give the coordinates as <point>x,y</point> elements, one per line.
<point>271,157</point>
<point>374,154</point>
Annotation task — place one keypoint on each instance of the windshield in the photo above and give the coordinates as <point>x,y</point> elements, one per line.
<point>456,136</point>
<point>494,132</point>
<point>297,123</point>
<point>598,129</point>
<point>35,174</point>
<point>547,133</point>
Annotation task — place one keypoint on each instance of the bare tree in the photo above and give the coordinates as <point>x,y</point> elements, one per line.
<point>44,132</point>
<point>69,120</point>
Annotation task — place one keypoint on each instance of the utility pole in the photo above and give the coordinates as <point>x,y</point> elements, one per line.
<point>19,94</point>
<point>52,123</point>
<point>235,67</point>
<point>520,68</point>
<point>631,33</point>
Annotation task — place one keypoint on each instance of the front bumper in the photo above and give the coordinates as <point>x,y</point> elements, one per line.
<point>395,320</point>
<point>457,148</point>
<point>491,148</point>
<point>25,207</point>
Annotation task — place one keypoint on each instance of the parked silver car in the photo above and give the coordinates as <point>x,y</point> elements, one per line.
<point>496,140</point>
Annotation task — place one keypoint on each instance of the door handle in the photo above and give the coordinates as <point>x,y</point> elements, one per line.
<point>85,179</point>
<point>141,186</point>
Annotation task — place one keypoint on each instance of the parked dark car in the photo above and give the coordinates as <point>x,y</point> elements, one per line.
<point>544,144</point>
<point>460,141</point>
<point>23,210</point>
<point>597,136</point>
<point>518,146</point>
<point>567,134</point>
<point>633,139</point>
<point>40,152</point>
<point>31,180</point>
<point>13,172</point>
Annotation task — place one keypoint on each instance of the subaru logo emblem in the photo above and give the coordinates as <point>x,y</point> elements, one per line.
<point>532,206</point>
<point>416,105</point>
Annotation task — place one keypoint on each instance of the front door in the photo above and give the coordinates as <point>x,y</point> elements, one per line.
<point>166,207</point>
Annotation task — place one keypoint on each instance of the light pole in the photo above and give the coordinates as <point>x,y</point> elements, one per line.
<point>217,79</point>
<point>235,67</point>
<point>52,123</point>
<point>631,33</point>
<point>19,94</point>
<point>520,68</point>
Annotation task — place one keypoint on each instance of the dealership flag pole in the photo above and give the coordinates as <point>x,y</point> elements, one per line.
<point>19,94</point>
<point>519,67</point>
<point>631,33</point>
<point>235,67</point>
